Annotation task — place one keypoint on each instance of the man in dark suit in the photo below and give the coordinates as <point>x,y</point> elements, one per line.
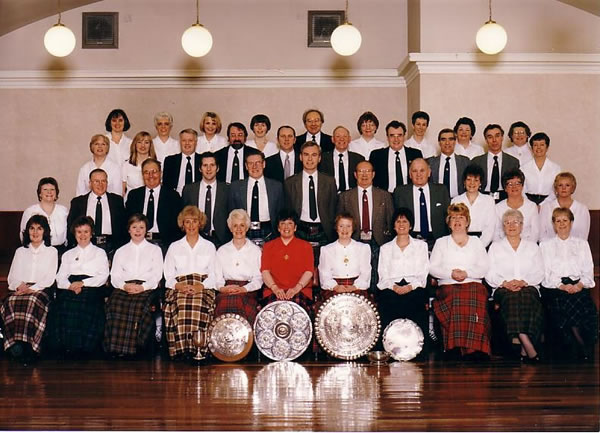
<point>231,159</point>
<point>261,197</point>
<point>494,162</point>
<point>427,201</point>
<point>313,120</point>
<point>161,206</point>
<point>286,162</point>
<point>448,167</point>
<point>391,164</point>
<point>341,163</point>
<point>105,208</point>
<point>183,168</point>
<point>211,198</point>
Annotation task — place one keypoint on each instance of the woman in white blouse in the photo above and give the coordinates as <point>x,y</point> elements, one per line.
<point>116,124</point>
<point>367,126</point>
<point>465,130</point>
<point>137,269</point>
<point>482,207</point>
<point>260,124</point>
<point>568,278</point>
<point>77,315</point>
<point>519,133</point>
<point>210,141</point>
<point>403,268</point>
<point>564,187</point>
<point>516,270</point>
<point>190,280</point>
<point>32,273</point>
<point>540,171</point>
<point>459,262</point>
<point>140,150</point>
<point>47,192</point>
<point>99,147</point>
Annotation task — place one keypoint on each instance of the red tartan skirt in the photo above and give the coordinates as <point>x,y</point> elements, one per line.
<point>244,304</point>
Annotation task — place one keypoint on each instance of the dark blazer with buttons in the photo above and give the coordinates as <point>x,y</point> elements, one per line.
<point>222,155</point>
<point>327,166</point>
<point>508,163</point>
<point>171,168</point>
<point>219,218</point>
<point>379,159</point>
<point>118,218</point>
<point>461,163</point>
<point>326,199</point>
<point>326,142</point>
<point>238,197</point>
<point>383,210</point>
<point>274,166</point>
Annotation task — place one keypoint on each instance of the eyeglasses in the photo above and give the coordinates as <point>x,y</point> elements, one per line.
<point>513,184</point>
<point>512,223</point>
<point>519,133</point>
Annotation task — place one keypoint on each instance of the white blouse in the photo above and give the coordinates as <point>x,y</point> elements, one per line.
<point>522,153</point>
<point>507,264</point>
<point>164,149</point>
<point>339,261</point>
<point>581,224</point>
<point>270,148</point>
<point>483,215</point>
<point>448,255</point>
<point>571,257</point>
<point>141,261</point>
<point>113,172</point>
<point>364,147</point>
<point>33,265</point>
<point>239,265</point>
<point>540,181</point>
<point>217,142</point>
<point>531,220</point>
<point>119,152</point>
<point>412,264</point>
<point>470,152</point>
<point>182,259</point>
<point>427,149</point>
<point>90,260</point>
<point>132,176</point>
<point>57,221</point>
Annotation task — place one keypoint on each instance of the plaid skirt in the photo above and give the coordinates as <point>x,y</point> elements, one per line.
<point>462,312</point>
<point>522,312</point>
<point>244,304</point>
<point>24,318</point>
<point>128,321</point>
<point>573,310</point>
<point>185,317</point>
<point>300,299</point>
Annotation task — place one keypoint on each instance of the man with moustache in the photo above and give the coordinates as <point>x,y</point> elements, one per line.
<point>286,162</point>
<point>448,167</point>
<point>231,158</point>
<point>183,168</point>
<point>341,163</point>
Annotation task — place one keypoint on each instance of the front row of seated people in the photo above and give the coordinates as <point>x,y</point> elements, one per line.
<point>202,282</point>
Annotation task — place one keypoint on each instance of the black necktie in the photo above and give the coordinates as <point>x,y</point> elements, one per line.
<point>447,173</point>
<point>495,184</point>
<point>312,199</point>
<point>188,171</point>
<point>423,214</point>
<point>208,209</point>
<point>399,177</point>
<point>314,138</point>
<point>235,168</point>
<point>254,207</point>
<point>98,219</point>
<point>150,210</point>
<point>341,174</point>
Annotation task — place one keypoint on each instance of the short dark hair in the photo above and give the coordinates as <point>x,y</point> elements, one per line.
<point>260,118</point>
<point>82,220</point>
<point>446,131</point>
<point>365,117</point>
<point>151,161</point>
<point>403,212</point>
<point>249,154</point>
<point>47,181</point>
<point>395,124</point>
<point>97,170</point>
<point>492,126</point>
<point>539,136</point>
<point>285,126</point>
<point>420,115</point>
<point>519,124</point>
<point>309,144</point>
<point>511,174</point>
<point>473,170</point>
<point>208,154</point>
<point>238,125</point>
<point>116,113</point>
<point>43,222</point>
<point>137,217</point>
<point>287,214</point>
<point>465,121</point>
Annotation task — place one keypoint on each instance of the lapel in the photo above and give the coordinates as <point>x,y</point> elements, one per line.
<point>244,193</point>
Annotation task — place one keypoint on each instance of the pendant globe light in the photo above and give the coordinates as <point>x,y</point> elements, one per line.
<point>197,40</point>
<point>491,37</point>
<point>59,40</point>
<point>346,39</point>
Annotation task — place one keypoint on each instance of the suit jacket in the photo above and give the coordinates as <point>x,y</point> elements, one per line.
<point>461,163</point>
<point>169,206</point>
<point>381,219</point>
<point>118,219</point>
<point>327,166</point>
<point>379,159</point>
<point>274,166</point>
<point>326,143</point>
<point>171,168</point>
<point>508,163</point>
<point>326,199</point>
<point>221,157</point>
<point>439,201</point>
<point>238,197</point>
<point>219,218</point>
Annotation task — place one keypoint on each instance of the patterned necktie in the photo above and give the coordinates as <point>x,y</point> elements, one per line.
<point>312,199</point>
<point>98,219</point>
<point>341,174</point>
<point>188,171</point>
<point>365,224</point>
<point>150,210</point>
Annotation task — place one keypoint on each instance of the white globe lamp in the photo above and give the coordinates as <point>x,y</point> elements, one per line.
<point>491,38</point>
<point>346,39</point>
<point>59,40</point>
<point>196,41</point>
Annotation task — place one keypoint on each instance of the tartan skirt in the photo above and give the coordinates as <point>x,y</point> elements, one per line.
<point>185,316</point>
<point>522,312</point>
<point>128,321</point>
<point>244,304</point>
<point>24,318</point>
<point>300,299</point>
<point>573,310</point>
<point>462,312</point>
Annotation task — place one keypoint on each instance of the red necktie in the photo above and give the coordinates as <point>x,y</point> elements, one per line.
<point>365,225</point>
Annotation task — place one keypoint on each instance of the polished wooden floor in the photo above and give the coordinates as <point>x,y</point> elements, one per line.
<point>333,396</point>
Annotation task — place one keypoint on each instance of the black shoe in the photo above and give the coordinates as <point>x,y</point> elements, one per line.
<point>16,350</point>
<point>531,361</point>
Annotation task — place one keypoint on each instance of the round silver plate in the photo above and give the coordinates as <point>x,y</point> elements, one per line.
<point>283,330</point>
<point>230,337</point>
<point>403,339</point>
<point>347,326</point>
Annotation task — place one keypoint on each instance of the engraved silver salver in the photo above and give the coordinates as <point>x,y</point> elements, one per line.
<point>230,337</point>
<point>403,339</point>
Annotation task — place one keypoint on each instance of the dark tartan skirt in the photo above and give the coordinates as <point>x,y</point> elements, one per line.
<point>522,312</point>
<point>24,318</point>
<point>244,304</point>
<point>300,299</point>
<point>128,321</point>
<point>462,312</point>
<point>187,318</point>
<point>573,310</point>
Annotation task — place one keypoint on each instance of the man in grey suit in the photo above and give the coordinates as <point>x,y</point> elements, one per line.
<point>341,163</point>
<point>448,167</point>
<point>427,201</point>
<point>261,197</point>
<point>211,198</point>
<point>494,162</point>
